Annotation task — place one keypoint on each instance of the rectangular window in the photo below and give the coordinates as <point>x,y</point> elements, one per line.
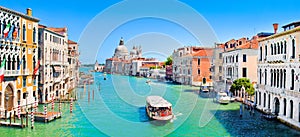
<point>244,72</point>
<point>220,69</point>
<point>198,71</point>
<point>198,62</point>
<point>220,78</point>
<point>244,58</point>
<point>45,36</point>
<point>220,55</point>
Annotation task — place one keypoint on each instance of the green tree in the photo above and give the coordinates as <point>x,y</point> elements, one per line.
<point>169,61</point>
<point>242,82</point>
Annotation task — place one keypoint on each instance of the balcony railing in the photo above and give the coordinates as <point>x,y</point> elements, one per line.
<point>25,72</point>
<point>12,72</point>
<point>276,58</point>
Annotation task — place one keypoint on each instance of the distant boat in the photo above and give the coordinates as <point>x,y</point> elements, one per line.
<point>158,108</point>
<point>222,98</point>
<point>104,75</point>
<point>148,81</point>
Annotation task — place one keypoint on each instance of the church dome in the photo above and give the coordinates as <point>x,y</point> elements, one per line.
<point>121,50</point>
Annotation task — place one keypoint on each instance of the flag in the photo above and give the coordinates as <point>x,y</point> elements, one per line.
<point>36,69</point>
<point>11,31</point>
<point>15,33</point>
<point>2,69</point>
<point>6,30</point>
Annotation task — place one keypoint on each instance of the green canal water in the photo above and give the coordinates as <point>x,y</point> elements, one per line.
<point>118,109</point>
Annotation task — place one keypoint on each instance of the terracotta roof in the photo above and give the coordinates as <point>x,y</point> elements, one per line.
<point>204,52</point>
<point>247,44</point>
<point>42,26</point>
<point>58,30</point>
<point>71,42</point>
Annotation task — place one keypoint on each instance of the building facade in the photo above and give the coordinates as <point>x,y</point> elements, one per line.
<point>191,66</point>
<point>54,76</point>
<point>278,71</point>
<point>19,52</point>
<point>239,60</point>
<point>73,65</point>
<point>217,68</point>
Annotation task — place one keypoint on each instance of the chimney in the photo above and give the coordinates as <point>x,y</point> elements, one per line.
<point>29,12</point>
<point>275,26</point>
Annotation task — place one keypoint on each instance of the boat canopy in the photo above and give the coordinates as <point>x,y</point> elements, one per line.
<point>157,101</point>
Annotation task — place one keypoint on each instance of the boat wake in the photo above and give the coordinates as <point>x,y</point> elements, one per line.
<point>175,117</point>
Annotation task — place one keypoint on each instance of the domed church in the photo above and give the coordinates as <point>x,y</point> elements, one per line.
<point>121,52</point>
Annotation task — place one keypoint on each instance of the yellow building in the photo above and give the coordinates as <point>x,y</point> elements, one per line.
<point>19,47</point>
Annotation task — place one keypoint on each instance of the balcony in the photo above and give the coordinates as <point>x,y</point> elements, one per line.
<point>12,72</point>
<point>274,90</point>
<point>293,93</point>
<point>25,72</point>
<point>280,58</point>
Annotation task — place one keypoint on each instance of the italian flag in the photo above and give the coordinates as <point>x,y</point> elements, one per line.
<point>2,70</point>
<point>6,30</point>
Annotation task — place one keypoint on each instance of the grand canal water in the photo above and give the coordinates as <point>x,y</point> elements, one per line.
<point>117,109</point>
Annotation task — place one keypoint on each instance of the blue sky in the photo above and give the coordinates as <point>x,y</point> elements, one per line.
<point>228,19</point>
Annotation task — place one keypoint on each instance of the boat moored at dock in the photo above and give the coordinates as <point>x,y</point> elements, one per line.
<point>222,98</point>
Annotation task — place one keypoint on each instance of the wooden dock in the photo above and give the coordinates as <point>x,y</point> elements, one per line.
<point>20,125</point>
<point>39,116</point>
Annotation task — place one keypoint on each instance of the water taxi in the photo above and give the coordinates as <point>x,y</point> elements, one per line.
<point>222,98</point>
<point>158,108</point>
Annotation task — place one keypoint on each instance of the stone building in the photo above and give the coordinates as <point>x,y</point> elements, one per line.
<point>19,54</point>
<point>278,71</point>
<point>54,76</point>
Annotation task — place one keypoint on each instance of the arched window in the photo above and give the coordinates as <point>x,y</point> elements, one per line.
<point>293,49</point>
<point>271,49</point>
<point>266,77</point>
<point>24,32</point>
<point>260,76</point>
<point>266,51</point>
<point>293,79</point>
<point>278,48</point>
<point>284,47</point>
<point>291,112</point>
<point>24,63</point>
<point>260,53</point>
<point>271,77</point>
<point>278,76</point>
<point>264,99</point>
<point>281,45</point>
<point>281,78</point>
<point>284,106</point>
<point>275,49</point>
<point>284,78</point>
<point>198,62</point>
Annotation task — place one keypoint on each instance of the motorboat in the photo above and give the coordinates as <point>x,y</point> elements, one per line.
<point>222,98</point>
<point>158,108</point>
<point>148,81</point>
